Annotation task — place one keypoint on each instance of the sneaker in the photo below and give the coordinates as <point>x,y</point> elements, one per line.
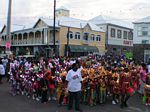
<point>33,97</point>
<point>117,100</point>
<point>22,93</point>
<point>146,104</point>
<point>37,99</point>
<point>113,102</point>
<point>54,98</point>
<point>49,99</point>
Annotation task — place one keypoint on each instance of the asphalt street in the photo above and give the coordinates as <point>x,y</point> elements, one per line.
<point>9,103</point>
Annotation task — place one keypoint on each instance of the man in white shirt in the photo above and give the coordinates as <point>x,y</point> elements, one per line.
<point>74,87</point>
<point>148,66</point>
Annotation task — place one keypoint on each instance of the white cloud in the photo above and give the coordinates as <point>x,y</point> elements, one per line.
<point>84,9</point>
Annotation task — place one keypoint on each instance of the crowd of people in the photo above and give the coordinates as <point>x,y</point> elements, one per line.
<point>91,80</point>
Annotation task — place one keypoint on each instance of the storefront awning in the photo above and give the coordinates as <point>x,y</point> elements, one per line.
<point>82,48</point>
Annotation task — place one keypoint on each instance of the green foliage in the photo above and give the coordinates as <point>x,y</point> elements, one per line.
<point>22,51</point>
<point>129,55</point>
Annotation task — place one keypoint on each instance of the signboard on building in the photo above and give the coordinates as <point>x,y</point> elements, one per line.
<point>8,45</point>
<point>127,42</point>
<point>121,42</point>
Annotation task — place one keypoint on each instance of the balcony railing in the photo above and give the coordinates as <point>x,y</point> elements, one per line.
<point>23,42</point>
<point>28,42</point>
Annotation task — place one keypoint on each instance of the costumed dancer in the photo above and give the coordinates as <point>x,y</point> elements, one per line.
<point>126,90</point>
<point>102,90</point>
<point>61,88</point>
<point>146,97</point>
<point>103,87</point>
<point>115,88</point>
<point>44,89</point>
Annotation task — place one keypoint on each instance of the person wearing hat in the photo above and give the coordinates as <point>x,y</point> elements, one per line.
<point>74,80</point>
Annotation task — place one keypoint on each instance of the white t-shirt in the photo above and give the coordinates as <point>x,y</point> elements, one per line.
<point>2,70</point>
<point>148,67</point>
<point>74,81</point>
<point>80,69</point>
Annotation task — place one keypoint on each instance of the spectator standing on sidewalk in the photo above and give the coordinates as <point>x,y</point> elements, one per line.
<point>2,71</point>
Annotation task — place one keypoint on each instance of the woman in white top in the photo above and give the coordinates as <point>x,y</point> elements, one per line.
<point>2,71</point>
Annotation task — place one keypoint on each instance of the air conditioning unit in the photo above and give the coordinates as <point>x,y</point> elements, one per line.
<point>145,41</point>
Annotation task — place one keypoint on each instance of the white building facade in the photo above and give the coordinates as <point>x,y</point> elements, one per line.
<point>119,34</point>
<point>142,39</point>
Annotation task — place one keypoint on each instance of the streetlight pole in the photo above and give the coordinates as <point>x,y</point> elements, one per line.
<point>8,31</point>
<point>67,49</point>
<point>54,27</point>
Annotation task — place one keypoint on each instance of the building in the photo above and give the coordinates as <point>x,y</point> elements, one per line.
<point>141,39</point>
<point>84,37</point>
<point>119,34</point>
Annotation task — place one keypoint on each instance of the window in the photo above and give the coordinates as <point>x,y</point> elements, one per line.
<point>85,37</point>
<point>125,34</point>
<point>144,28</point>
<point>119,33</point>
<point>98,38</point>
<point>92,37</point>
<point>130,35</point>
<point>77,35</point>
<point>3,38</point>
<point>11,37</point>
<point>144,33</point>
<point>71,35</point>
<point>139,33</point>
<point>139,28</point>
<point>113,34</point>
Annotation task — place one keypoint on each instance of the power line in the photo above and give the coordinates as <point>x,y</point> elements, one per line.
<point>49,17</point>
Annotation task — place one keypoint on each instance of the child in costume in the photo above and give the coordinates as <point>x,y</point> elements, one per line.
<point>61,89</point>
<point>102,90</point>
<point>115,88</point>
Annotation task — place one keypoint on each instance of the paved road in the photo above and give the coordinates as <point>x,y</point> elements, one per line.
<point>10,103</point>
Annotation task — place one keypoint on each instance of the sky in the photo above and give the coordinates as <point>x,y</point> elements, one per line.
<point>128,10</point>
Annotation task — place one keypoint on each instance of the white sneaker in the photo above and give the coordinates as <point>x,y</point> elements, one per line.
<point>146,104</point>
<point>113,102</point>
<point>117,100</point>
<point>49,99</point>
<point>54,98</point>
<point>33,97</point>
<point>37,99</point>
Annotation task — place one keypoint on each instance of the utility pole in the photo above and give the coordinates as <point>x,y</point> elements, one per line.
<point>8,31</point>
<point>54,28</point>
<point>67,48</point>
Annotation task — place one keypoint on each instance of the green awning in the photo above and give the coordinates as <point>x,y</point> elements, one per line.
<point>83,48</point>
